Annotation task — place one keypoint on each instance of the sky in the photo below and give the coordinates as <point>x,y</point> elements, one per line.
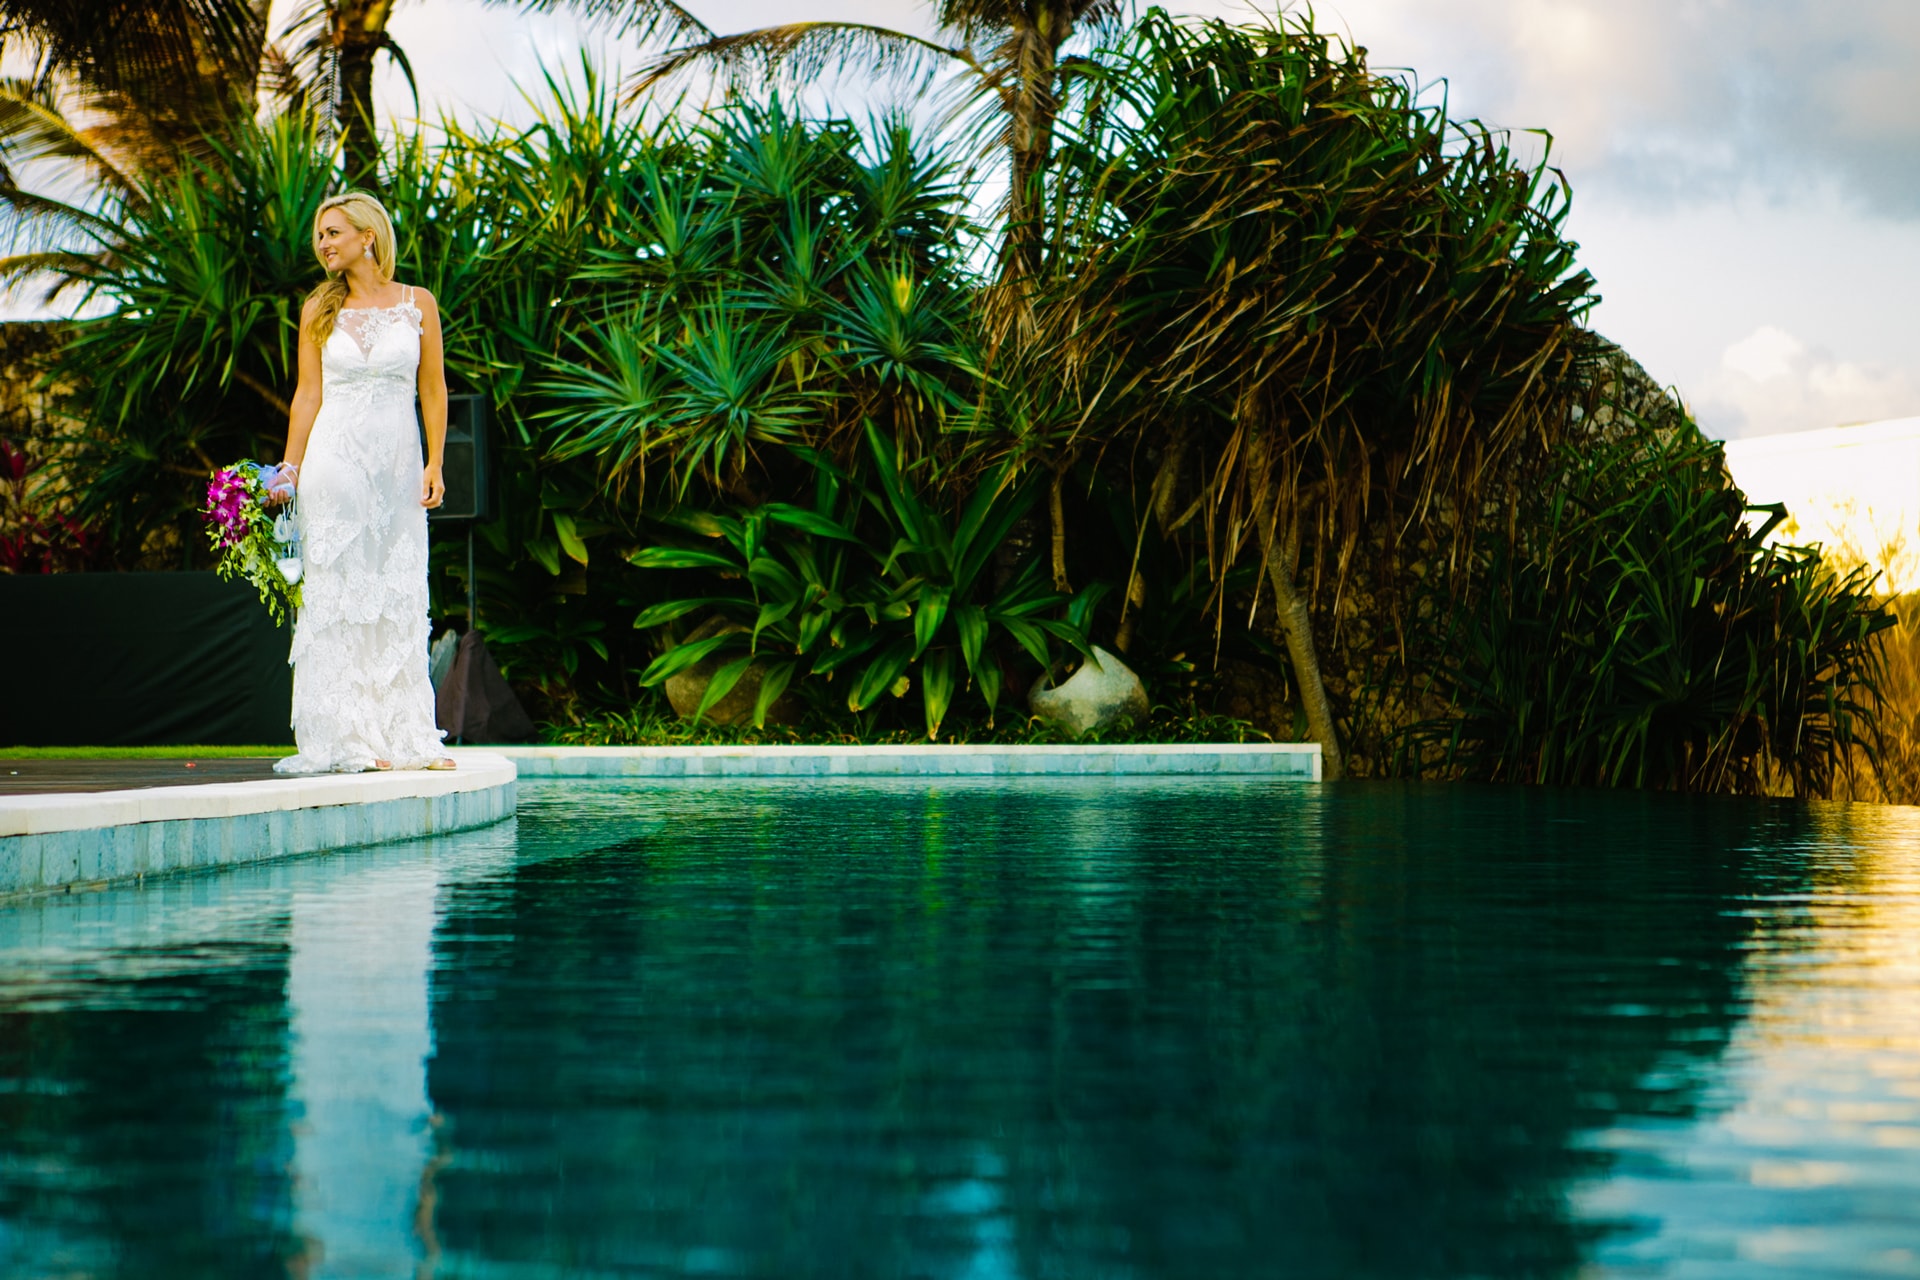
<point>1745,173</point>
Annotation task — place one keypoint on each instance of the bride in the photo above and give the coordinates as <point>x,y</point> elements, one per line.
<point>361,695</point>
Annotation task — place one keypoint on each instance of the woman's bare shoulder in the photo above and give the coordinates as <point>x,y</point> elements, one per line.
<point>423,297</point>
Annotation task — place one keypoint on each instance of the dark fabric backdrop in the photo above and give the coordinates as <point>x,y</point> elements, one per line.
<point>140,659</point>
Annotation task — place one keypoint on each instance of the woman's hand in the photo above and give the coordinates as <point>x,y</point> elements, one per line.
<point>433,489</point>
<point>281,484</point>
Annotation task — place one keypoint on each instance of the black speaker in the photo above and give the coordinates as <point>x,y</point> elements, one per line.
<point>469,491</point>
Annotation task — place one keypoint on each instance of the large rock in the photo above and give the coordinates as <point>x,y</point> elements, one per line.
<point>685,690</point>
<point>1101,693</point>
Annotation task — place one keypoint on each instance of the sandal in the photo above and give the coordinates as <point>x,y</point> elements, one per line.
<point>444,764</point>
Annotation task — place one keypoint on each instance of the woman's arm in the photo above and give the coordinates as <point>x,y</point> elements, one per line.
<point>306,396</point>
<point>432,382</point>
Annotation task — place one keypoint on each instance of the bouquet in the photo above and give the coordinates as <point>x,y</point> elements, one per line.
<point>251,541</point>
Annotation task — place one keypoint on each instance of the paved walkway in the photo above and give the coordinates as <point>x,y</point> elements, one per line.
<point>60,777</point>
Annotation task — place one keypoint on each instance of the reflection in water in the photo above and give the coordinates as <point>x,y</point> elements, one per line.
<point>223,1075</point>
<point>143,1114</point>
<point>1128,1030</point>
<point>357,984</point>
<point>988,1029</point>
<point>1811,1153</point>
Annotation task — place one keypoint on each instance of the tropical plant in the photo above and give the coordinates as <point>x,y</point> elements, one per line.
<point>878,585</point>
<point>1641,631</point>
<point>191,357</point>
<point>1303,298</point>
<point>766,281</point>
<point>1010,54</point>
<point>36,534</point>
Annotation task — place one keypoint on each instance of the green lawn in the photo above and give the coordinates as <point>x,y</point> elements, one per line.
<point>138,753</point>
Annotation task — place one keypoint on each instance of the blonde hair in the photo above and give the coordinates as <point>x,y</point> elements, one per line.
<point>363,213</point>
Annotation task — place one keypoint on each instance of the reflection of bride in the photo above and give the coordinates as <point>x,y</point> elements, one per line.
<point>361,695</point>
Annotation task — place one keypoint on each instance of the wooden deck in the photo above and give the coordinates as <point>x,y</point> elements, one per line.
<point>65,777</point>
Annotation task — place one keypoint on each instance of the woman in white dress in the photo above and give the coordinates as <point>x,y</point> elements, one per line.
<point>361,695</point>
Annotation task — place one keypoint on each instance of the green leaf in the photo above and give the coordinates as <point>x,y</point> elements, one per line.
<point>812,623</point>
<point>835,658</point>
<point>986,674</point>
<point>1029,637</point>
<point>770,614</point>
<point>722,684</point>
<point>681,656</point>
<point>675,558</point>
<point>546,553</point>
<point>808,522</point>
<point>880,674</point>
<point>936,686</point>
<point>569,534</point>
<point>656,614</point>
<point>970,621</point>
<point>773,683</point>
<point>928,617</point>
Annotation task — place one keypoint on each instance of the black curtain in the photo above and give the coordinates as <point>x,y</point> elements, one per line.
<point>140,659</point>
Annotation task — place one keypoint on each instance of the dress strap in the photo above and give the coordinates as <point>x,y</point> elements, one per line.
<point>406,295</point>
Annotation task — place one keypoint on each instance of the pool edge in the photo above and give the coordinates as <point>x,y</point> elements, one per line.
<point>1299,761</point>
<point>69,843</point>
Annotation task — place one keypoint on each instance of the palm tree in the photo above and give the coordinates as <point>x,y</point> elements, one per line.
<point>1011,50</point>
<point>116,88</point>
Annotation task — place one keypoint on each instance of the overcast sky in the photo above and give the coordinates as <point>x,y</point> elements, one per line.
<point>1746,173</point>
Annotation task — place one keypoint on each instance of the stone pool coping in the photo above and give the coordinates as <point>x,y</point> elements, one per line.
<point>65,841</point>
<point>1296,760</point>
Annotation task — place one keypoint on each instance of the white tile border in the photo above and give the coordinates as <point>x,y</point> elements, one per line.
<point>55,842</point>
<point>1296,760</point>
<point>33,815</point>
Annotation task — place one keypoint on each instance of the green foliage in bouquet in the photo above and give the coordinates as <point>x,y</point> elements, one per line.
<point>241,530</point>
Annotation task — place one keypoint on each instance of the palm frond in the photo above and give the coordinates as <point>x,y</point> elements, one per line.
<point>645,19</point>
<point>65,268</point>
<point>35,126</point>
<point>119,43</point>
<point>800,52</point>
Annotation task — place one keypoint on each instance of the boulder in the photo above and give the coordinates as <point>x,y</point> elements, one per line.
<point>685,689</point>
<point>1099,694</point>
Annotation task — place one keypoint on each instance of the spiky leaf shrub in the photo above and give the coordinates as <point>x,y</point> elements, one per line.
<point>877,587</point>
<point>1301,296</point>
<point>1637,630</point>
<point>188,355</point>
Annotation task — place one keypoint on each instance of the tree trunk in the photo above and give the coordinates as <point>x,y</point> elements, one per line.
<point>1281,550</point>
<point>1057,513</point>
<point>1035,105</point>
<point>1283,559</point>
<point>359,33</point>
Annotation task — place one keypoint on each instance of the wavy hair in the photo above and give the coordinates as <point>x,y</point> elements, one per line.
<point>363,213</point>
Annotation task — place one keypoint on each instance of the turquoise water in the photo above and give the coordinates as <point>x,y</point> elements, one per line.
<point>983,1030</point>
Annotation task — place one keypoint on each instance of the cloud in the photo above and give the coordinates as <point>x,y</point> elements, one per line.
<point>1676,99</point>
<point>1771,381</point>
<point>1671,100</point>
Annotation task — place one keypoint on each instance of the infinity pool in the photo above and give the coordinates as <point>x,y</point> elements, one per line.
<point>1183,1029</point>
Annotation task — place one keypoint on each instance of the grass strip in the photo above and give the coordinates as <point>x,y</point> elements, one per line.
<point>141,753</point>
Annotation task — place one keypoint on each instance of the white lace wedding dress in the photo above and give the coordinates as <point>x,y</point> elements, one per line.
<point>360,686</point>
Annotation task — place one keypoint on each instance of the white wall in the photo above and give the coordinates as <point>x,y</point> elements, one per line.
<point>1855,490</point>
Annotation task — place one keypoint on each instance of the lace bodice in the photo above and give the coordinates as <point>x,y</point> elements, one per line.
<point>373,352</point>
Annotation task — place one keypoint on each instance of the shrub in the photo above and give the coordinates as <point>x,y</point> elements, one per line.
<point>1637,630</point>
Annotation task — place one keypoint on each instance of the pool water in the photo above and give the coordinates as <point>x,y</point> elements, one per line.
<point>986,1029</point>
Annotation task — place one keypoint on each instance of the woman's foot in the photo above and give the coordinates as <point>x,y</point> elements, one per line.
<point>382,766</point>
<point>444,763</point>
